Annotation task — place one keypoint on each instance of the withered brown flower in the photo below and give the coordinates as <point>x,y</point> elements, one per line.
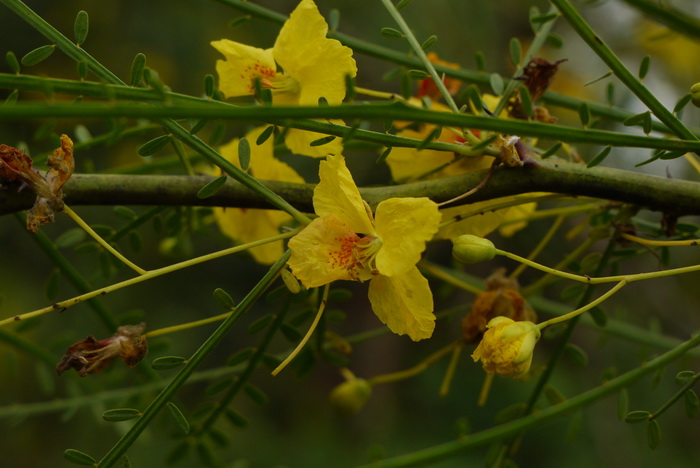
<point>501,298</point>
<point>90,356</point>
<point>16,165</point>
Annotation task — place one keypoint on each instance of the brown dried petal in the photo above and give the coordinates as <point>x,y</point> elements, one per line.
<point>61,165</point>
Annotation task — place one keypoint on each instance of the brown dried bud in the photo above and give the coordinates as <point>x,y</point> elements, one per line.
<point>501,298</point>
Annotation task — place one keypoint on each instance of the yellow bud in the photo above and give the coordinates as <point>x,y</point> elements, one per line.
<point>472,249</point>
<point>507,346</point>
<point>349,397</point>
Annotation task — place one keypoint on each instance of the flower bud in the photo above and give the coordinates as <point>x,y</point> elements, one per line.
<point>507,346</point>
<point>695,94</point>
<point>472,249</point>
<point>350,396</point>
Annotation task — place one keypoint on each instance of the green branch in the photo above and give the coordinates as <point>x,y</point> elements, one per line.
<point>675,197</point>
<point>380,112</point>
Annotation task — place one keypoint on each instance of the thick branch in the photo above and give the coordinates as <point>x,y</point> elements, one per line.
<point>676,197</point>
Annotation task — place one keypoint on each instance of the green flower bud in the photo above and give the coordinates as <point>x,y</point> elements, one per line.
<point>349,397</point>
<point>695,94</point>
<point>472,249</point>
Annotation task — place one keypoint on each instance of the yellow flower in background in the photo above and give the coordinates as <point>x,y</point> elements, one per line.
<point>677,52</point>
<point>507,346</point>
<point>347,242</point>
<point>247,225</point>
<point>488,221</point>
<point>314,67</point>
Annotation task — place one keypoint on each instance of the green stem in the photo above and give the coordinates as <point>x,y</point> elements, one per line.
<point>379,112</point>
<point>260,350</point>
<point>675,19</point>
<point>540,245</point>
<point>28,82</point>
<point>145,277</point>
<point>679,394</point>
<point>587,307</point>
<point>464,443</point>
<point>618,68</point>
<point>79,221</point>
<point>207,347</point>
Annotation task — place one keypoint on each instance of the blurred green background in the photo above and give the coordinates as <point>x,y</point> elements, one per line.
<point>298,428</point>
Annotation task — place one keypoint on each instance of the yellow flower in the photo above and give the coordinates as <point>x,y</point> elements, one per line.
<point>248,225</point>
<point>507,346</point>
<point>347,242</point>
<point>314,67</point>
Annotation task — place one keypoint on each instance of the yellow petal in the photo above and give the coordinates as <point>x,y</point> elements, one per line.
<point>516,212</point>
<point>319,64</point>
<point>299,142</point>
<point>248,225</point>
<point>404,225</point>
<point>404,303</point>
<point>483,224</point>
<point>409,163</point>
<point>337,194</point>
<point>322,252</point>
<point>242,65</point>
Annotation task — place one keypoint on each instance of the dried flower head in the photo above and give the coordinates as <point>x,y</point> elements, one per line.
<point>90,356</point>
<point>501,299</point>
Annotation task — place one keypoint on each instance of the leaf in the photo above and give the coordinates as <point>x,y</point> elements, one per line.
<point>52,284</point>
<point>255,394</point>
<point>244,153</point>
<point>392,33</point>
<point>692,405</point>
<point>322,141</point>
<point>79,458</point>
<point>584,114</point>
<point>480,61</point>
<point>80,27</point>
<point>403,4</point>
<point>551,151</point>
<point>168,362</point>
<point>239,20</point>
<point>623,403</point>
<point>516,50</point>
<point>209,86</point>
<point>526,99</point>
<point>70,238</point>
<point>121,414</point>
<point>212,187</point>
<point>497,85</point>
<point>179,418</point>
<point>682,102</point>
<point>418,74</point>
<point>223,299</point>
<point>240,357</point>
<point>385,154</point>
<point>260,324</point>
<point>12,62</point>
<point>137,67</point>
<point>553,395</point>
<point>38,55</point>
<point>577,355</point>
<point>429,42</point>
<point>653,434</point>
<point>153,146</point>
<point>637,416</point>
<point>264,135</point>
<point>644,67</point>
<point>600,157</point>
<point>236,418</point>
<point>684,377</point>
